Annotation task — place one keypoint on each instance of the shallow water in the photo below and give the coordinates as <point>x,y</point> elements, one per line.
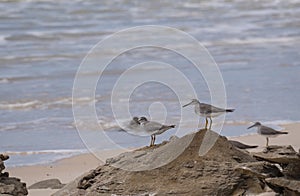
<point>256,45</point>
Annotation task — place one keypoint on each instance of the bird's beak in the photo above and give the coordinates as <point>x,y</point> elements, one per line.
<point>251,126</point>
<point>186,104</point>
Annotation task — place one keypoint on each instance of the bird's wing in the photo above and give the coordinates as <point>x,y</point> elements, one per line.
<point>152,126</point>
<point>210,109</point>
<point>268,131</point>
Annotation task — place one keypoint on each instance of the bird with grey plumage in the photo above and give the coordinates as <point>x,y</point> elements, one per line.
<point>207,111</point>
<point>133,127</point>
<point>153,128</point>
<point>267,131</point>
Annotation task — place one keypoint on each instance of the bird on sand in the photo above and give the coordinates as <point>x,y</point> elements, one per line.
<point>267,131</point>
<point>153,128</point>
<point>240,145</point>
<point>207,111</point>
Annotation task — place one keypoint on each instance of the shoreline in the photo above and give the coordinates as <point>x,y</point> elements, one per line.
<point>277,124</point>
<point>67,169</point>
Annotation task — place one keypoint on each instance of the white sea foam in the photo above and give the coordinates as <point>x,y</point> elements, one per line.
<point>4,81</point>
<point>20,105</point>
<point>3,39</point>
<point>257,40</point>
<point>59,151</point>
<point>43,104</point>
<point>48,156</point>
<point>104,124</point>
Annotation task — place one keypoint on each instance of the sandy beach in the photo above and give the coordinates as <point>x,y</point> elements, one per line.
<point>65,170</point>
<point>68,169</point>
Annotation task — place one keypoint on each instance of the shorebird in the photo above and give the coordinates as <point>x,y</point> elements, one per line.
<point>134,122</point>
<point>153,128</point>
<point>266,131</point>
<point>133,126</point>
<point>241,145</point>
<point>207,111</point>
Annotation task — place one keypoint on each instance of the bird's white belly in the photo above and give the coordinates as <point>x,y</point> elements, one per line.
<point>210,114</point>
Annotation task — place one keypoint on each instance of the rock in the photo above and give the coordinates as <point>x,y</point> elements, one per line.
<point>241,145</point>
<point>223,170</point>
<point>45,184</point>
<point>71,189</point>
<point>284,186</point>
<point>173,138</point>
<point>4,157</point>
<point>2,167</point>
<point>188,174</point>
<point>261,170</point>
<point>278,154</point>
<point>10,185</point>
<point>286,156</point>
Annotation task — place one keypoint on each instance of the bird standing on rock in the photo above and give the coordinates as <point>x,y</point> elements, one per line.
<point>266,131</point>
<point>153,128</point>
<point>207,111</point>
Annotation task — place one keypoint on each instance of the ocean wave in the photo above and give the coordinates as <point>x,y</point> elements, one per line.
<point>105,124</point>
<point>20,105</point>
<point>59,151</point>
<point>257,40</point>
<point>48,104</point>
<point>25,158</point>
<point>2,39</point>
<point>4,81</point>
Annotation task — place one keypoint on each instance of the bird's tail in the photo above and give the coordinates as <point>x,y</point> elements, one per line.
<point>169,126</point>
<point>283,132</point>
<point>230,110</point>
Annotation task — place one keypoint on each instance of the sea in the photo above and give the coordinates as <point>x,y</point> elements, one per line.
<point>255,44</point>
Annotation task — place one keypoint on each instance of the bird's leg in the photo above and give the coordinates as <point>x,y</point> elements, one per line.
<point>151,140</point>
<point>206,122</point>
<point>267,141</point>
<point>154,140</point>
<point>210,123</point>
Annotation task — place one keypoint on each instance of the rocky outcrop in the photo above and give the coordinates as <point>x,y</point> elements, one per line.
<point>10,185</point>
<point>289,161</point>
<point>188,174</point>
<point>284,186</point>
<point>260,170</point>
<point>285,156</point>
<point>45,184</point>
<point>223,170</point>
